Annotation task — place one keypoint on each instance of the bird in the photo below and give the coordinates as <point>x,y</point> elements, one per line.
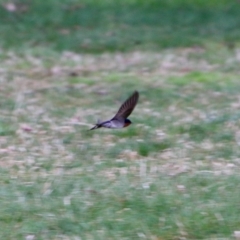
<point>120,120</point>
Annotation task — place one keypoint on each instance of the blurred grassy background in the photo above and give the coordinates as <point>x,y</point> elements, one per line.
<point>98,26</point>
<point>173,174</point>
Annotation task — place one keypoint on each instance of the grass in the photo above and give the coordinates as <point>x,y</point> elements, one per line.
<point>173,174</point>
<point>95,27</point>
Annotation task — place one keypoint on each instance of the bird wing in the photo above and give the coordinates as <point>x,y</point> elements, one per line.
<point>127,107</point>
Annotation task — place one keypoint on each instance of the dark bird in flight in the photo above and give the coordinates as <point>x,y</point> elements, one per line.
<point>120,120</point>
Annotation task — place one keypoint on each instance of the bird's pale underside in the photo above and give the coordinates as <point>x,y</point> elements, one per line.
<point>120,119</point>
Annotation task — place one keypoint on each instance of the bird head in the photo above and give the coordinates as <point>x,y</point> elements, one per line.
<point>127,122</point>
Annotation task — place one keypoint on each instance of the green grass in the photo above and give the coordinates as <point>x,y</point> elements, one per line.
<point>173,174</point>
<point>94,26</point>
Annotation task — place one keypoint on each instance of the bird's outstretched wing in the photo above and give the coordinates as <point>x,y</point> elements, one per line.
<point>127,107</point>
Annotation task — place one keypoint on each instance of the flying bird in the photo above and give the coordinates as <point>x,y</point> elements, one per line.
<point>120,119</point>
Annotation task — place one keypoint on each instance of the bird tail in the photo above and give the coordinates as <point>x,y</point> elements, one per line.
<point>95,127</point>
<point>98,125</point>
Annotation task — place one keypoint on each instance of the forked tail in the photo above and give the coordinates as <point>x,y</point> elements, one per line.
<point>95,127</point>
<point>98,125</point>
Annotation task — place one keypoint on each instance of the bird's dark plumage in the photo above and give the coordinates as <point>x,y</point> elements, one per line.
<point>127,107</point>
<point>120,119</point>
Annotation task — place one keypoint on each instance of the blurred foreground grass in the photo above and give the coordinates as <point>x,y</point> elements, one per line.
<point>173,174</point>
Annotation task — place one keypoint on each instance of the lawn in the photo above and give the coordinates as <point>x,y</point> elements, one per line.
<point>172,174</point>
<point>93,26</point>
